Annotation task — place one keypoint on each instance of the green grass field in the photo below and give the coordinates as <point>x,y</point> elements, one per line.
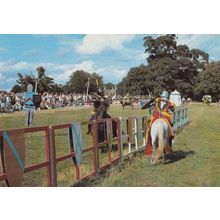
<point>34,143</point>
<point>196,160</point>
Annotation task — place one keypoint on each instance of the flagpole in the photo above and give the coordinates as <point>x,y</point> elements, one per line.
<point>115,91</point>
<point>36,86</point>
<point>87,90</point>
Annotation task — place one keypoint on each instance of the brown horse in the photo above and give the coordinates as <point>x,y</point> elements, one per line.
<point>127,101</point>
<point>101,113</point>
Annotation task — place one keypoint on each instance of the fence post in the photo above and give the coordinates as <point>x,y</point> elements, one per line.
<point>52,158</point>
<point>174,120</point>
<point>181,117</point>
<point>144,128</point>
<point>187,116</point>
<point>136,132</point>
<point>95,142</point>
<point>109,138</point>
<point>129,133</point>
<point>185,121</point>
<point>121,139</point>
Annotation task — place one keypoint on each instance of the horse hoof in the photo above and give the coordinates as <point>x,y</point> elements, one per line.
<point>152,161</point>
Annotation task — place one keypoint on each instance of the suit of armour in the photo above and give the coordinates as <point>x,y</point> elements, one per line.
<point>29,108</point>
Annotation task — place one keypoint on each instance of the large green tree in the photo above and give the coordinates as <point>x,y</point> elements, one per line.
<point>174,66</point>
<point>109,85</point>
<point>16,89</point>
<point>160,47</point>
<point>208,82</point>
<point>25,79</point>
<point>44,83</point>
<point>136,82</point>
<point>170,66</point>
<point>79,80</point>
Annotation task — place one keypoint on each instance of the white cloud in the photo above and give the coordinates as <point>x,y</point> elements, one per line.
<point>6,81</point>
<point>109,73</point>
<point>12,66</point>
<point>2,49</point>
<point>88,66</point>
<point>133,54</point>
<point>93,44</point>
<point>116,75</point>
<point>1,77</point>
<point>193,40</point>
<point>210,43</point>
<point>60,72</point>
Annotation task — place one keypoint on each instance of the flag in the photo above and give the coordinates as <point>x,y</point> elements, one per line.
<point>97,82</point>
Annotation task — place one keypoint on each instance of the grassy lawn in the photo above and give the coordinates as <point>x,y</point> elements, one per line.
<point>34,143</point>
<point>63,115</point>
<point>196,161</point>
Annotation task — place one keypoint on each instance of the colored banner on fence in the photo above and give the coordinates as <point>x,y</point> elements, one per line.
<point>14,147</point>
<point>77,141</point>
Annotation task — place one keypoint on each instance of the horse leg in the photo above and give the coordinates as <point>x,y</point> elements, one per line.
<point>154,145</point>
<point>152,160</point>
<point>163,156</point>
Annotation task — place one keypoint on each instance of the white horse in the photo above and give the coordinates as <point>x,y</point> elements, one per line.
<point>160,139</point>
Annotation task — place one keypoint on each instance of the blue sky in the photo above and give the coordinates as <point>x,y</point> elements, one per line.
<point>108,55</point>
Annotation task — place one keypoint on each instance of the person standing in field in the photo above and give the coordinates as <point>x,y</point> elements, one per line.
<point>29,105</point>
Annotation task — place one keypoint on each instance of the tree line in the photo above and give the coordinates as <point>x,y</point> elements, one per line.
<point>169,66</point>
<point>78,82</point>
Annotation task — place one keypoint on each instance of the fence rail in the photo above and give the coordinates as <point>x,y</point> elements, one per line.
<point>130,138</point>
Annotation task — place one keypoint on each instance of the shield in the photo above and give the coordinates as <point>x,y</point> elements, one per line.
<point>37,100</point>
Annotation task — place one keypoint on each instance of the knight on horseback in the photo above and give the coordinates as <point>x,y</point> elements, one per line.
<point>100,111</point>
<point>162,109</point>
<point>100,107</point>
<point>100,104</point>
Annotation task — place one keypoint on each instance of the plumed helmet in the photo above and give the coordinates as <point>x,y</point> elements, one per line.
<point>165,95</point>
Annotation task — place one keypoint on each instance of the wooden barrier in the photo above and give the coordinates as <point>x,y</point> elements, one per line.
<point>108,123</point>
<point>9,168</point>
<point>135,135</point>
<point>56,159</point>
<point>131,130</point>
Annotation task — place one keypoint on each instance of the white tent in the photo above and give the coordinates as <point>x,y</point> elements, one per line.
<point>175,97</point>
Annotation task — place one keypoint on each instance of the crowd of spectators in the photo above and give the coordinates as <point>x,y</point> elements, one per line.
<point>11,102</point>
<point>54,100</point>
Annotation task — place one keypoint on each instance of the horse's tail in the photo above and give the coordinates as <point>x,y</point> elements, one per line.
<point>161,144</point>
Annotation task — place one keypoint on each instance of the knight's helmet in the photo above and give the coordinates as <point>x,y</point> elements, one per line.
<point>165,95</point>
<point>29,88</point>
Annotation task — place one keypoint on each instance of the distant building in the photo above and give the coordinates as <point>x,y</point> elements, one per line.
<point>207,98</point>
<point>175,97</point>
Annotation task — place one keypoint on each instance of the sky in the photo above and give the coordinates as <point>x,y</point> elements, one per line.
<point>108,55</point>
